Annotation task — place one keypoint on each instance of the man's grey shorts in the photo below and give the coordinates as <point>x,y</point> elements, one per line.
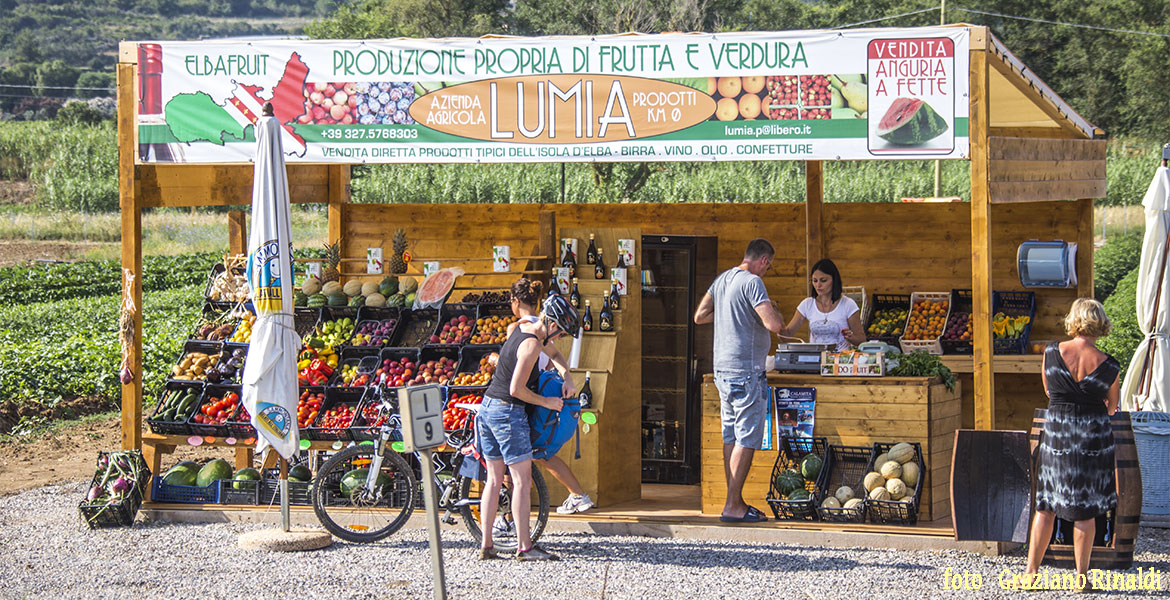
<point>743,400</point>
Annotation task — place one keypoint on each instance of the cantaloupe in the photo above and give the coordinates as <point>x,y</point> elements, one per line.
<point>853,503</point>
<point>873,481</point>
<point>375,299</point>
<point>891,469</point>
<point>910,474</point>
<point>879,493</point>
<point>369,287</point>
<point>903,453</point>
<point>332,288</point>
<point>896,488</point>
<point>352,287</point>
<point>831,502</point>
<point>881,459</point>
<point>844,494</point>
<point>311,285</point>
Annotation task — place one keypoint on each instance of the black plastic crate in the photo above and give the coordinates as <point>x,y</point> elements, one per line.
<point>351,397</point>
<point>305,319</point>
<point>960,303</point>
<point>178,426</point>
<point>212,391</point>
<point>792,450</point>
<point>888,301</point>
<point>216,269</point>
<point>488,311</point>
<point>415,328</point>
<point>845,465</point>
<point>214,318</point>
<point>184,494</point>
<point>117,514</point>
<point>232,491</point>
<point>233,351</point>
<point>240,424</point>
<point>364,360</point>
<point>301,392</point>
<point>209,348</point>
<point>375,314</point>
<point>1014,304</point>
<point>447,313</point>
<point>439,352</point>
<point>470,358</point>
<point>896,511</point>
<point>367,425</point>
<point>299,492</point>
<point>395,354</point>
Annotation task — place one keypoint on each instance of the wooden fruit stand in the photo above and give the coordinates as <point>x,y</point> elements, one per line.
<point>1035,168</point>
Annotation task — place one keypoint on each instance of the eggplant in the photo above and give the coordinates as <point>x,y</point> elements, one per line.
<point>213,376</point>
<point>236,363</point>
<point>240,353</point>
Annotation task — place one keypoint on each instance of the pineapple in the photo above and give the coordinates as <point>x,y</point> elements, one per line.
<point>333,259</point>
<point>397,265</point>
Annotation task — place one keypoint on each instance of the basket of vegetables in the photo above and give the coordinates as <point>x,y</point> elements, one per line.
<point>115,494</point>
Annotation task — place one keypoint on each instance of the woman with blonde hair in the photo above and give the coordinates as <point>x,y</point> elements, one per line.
<point>1075,456</point>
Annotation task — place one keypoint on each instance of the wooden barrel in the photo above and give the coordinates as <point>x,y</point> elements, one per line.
<point>1117,554</point>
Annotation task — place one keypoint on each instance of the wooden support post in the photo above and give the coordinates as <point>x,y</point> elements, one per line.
<point>338,198</point>
<point>131,252</point>
<point>814,191</point>
<point>983,352</point>
<point>237,232</point>
<point>546,240</point>
<point>1085,248</point>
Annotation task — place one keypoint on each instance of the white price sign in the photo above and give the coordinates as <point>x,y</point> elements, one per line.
<point>422,417</point>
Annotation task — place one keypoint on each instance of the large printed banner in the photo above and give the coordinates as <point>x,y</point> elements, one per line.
<point>883,93</point>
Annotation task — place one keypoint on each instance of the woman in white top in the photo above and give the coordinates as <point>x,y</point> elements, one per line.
<point>833,318</point>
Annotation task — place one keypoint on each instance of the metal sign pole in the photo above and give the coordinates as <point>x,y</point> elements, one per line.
<point>428,475</point>
<point>284,493</point>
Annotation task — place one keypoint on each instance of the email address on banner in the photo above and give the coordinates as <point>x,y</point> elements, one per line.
<point>771,129</point>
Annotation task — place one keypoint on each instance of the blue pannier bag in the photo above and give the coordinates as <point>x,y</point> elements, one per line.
<point>553,429</point>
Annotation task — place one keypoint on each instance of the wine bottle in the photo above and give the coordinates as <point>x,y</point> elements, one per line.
<point>553,287</point>
<point>575,296</point>
<point>585,396</point>
<point>621,263</point>
<point>587,318</point>
<point>568,262</point>
<point>605,317</point>
<point>599,271</point>
<point>150,106</point>
<point>591,253</point>
<point>614,297</point>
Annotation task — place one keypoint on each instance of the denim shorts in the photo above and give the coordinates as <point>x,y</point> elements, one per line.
<point>743,399</point>
<point>503,432</point>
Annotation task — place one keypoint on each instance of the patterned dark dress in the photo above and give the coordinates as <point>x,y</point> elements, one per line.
<point>1075,456</point>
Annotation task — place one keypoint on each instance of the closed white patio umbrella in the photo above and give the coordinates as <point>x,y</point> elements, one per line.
<point>1147,381</point>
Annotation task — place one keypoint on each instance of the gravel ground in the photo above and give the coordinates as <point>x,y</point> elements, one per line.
<point>45,554</point>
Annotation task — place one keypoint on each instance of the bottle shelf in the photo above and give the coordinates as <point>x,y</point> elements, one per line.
<point>663,358</point>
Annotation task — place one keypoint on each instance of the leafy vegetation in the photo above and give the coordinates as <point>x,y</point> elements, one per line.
<point>1120,255</point>
<point>70,348</point>
<point>921,363</point>
<point>63,281</point>
<point>1126,334</point>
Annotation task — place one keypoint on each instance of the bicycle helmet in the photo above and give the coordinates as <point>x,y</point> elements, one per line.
<point>558,310</point>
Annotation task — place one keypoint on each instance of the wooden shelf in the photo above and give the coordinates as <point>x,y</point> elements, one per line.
<point>1002,363</point>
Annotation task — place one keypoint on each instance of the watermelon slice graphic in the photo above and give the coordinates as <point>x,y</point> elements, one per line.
<point>910,122</point>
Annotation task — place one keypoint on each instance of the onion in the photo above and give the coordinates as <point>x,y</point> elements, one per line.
<point>120,486</point>
<point>95,492</point>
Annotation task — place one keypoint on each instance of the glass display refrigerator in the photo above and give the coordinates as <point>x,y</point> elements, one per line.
<point>676,271</point>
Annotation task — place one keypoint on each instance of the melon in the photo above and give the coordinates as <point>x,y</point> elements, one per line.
<point>369,287</point>
<point>844,494</point>
<point>311,285</point>
<point>317,300</point>
<point>873,481</point>
<point>909,122</point>
<point>338,299</point>
<point>352,287</point>
<point>881,459</point>
<point>388,286</point>
<point>212,472</point>
<point>910,474</point>
<point>799,495</point>
<point>879,493</point>
<point>407,285</point>
<point>245,474</point>
<point>896,488</point>
<point>810,466</point>
<point>891,469</point>
<point>435,288</point>
<point>903,453</point>
<point>853,503</point>
<point>375,299</point>
<point>396,300</point>
<point>332,288</point>
<point>831,502</point>
<point>357,301</point>
<point>788,482</point>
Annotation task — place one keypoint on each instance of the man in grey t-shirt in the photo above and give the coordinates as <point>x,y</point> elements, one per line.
<point>737,302</point>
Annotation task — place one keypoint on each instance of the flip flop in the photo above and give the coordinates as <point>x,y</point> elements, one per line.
<point>753,515</point>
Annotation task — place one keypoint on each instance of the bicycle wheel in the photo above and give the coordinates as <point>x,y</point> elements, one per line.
<point>348,510</point>
<point>469,494</point>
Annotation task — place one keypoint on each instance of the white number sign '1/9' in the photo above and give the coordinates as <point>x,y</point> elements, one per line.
<point>422,417</point>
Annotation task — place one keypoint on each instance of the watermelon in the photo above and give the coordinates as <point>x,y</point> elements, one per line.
<point>357,477</point>
<point>787,482</point>
<point>910,121</point>
<point>357,301</point>
<point>396,301</point>
<point>435,288</point>
<point>183,473</point>
<point>337,300</point>
<point>212,472</point>
<point>800,494</point>
<point>316,300</point>
<point>388,287</point>
<point>248,474</point>
<point>810,467</point>
<point>300,473</point>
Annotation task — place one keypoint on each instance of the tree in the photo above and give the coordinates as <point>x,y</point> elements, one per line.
<point>25,47</point>
<point>95,79</point>
<point>77,112</point>
<point>55,74</point>
<point>366,19</point>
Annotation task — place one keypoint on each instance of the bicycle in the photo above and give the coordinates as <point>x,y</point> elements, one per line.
<point>370,505</point>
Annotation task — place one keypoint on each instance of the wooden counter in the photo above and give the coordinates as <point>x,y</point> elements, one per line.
<point>853,411</point>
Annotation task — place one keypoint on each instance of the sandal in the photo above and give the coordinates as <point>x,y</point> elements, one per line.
<point>753,515</point>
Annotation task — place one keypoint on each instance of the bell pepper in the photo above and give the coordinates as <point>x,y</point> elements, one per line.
<point>321,366</point>
<point>307,354</point>
<point>332,361</point>
<point>304,364</point>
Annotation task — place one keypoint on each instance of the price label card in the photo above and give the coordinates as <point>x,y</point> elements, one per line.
<point>374,261</point>
<point>501,259</point>
<point>314,269</point>
<point>422,417</point>
<point>430,267</point>
<point>571,244</point>
<point>618,276</point>
<point>626,251</point>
